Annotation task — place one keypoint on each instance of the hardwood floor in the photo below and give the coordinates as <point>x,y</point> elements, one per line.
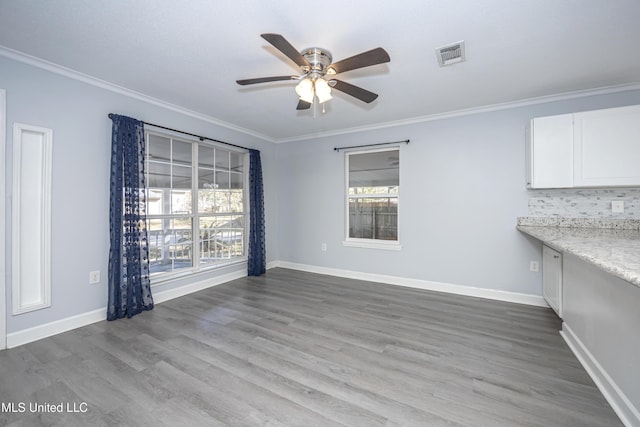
<point>298,349</point>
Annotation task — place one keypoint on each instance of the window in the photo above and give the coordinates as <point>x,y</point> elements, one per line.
<point>373,189</point>
<point>196,205</point>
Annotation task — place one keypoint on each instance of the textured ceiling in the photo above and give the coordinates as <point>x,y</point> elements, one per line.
<point>189,53</point>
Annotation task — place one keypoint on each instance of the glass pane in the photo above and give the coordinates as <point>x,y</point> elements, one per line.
<point>373,218</point>
<point>158,175</point>
<point>236,161</point>
<point>170,244</point>
<point>207,201</point>
<point>221,237</point>
<point>205,156</point>
<point>236,180</point>
<point>181,152</point>
<point>159,148</point>
<point>374,173</point>
<point>156,200</point>
<point>181,177</point>
<point>206,178</point>
<point>222,180</point>
<point>236,201</point>
<point>181,202</point>
<point>222,159</point>
<point>223,203</point>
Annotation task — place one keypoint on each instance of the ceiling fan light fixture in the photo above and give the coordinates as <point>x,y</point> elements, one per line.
<point>304,89</point>
<point>317,64</point>
<point>323,90</point>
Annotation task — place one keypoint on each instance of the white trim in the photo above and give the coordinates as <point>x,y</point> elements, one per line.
<point>469,111</point>
<point>32,182</point>
<point>39,332</point>
<point>492,294</point>
<point>67,72</point>
<point>3,289</point>
<point>163,296</point>
<point>388,245</point>
<point>623,407</point>
<point>194,273</point>
<point>103,84</point>
<point>393,245</point>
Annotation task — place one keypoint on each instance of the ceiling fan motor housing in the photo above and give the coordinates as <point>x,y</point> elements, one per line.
<point>318,58</point>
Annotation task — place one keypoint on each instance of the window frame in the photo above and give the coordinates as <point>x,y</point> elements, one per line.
<point>359,242</point>
<point>196,269</point>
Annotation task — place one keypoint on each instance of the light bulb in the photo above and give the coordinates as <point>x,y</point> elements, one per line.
<point>323,90</point>
<point>304,89</point>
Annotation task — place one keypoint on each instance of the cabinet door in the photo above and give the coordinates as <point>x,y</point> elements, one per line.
<point>550,152</point>
<point>607,147</point>
<point>552,278</point>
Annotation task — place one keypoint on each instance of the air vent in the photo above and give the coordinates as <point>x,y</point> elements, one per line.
<point>450,54</point>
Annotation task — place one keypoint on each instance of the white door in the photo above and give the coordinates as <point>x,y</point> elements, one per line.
<point>3,146</point>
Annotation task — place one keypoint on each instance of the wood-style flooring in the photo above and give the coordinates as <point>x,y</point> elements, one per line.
<point>299,349</point>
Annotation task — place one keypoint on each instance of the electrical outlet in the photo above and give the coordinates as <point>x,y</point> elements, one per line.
<point>94,277</point>
<point>324,247</point>
<point>617,206</point>
<point>534,266</point>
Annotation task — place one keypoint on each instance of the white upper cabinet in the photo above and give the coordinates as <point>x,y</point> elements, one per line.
<point>550,152</point>
<point>607,147</point>
<point>591,149</point>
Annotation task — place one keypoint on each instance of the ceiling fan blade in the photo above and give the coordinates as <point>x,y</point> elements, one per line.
<point>265,80</point>
<point>303,105</point>
<point>285,47</point>
<point>364,59</point>
<point>355,91</point>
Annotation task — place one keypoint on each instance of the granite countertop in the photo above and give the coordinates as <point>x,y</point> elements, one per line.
<point>613,246</point>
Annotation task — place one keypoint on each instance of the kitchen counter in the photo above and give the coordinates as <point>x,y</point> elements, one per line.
<point>600,296</point>
<point>614,248</point>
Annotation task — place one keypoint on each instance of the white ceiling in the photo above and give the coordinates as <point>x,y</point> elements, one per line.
<point>190,52</point>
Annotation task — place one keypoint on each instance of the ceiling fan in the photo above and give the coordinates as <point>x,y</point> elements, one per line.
<point>317,80</point>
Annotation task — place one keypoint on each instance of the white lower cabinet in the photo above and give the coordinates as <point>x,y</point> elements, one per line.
<point>552,278</point>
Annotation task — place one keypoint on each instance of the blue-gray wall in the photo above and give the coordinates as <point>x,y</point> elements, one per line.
<point>462,186</point>
<point>77,113</point>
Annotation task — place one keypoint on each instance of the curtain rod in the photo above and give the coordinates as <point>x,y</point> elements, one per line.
<point>201,138</point>
<point>406,141</point>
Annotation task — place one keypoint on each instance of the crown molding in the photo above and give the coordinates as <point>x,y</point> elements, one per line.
<point>470,111</point>
<point>94,81</point>
<point>103,84</point>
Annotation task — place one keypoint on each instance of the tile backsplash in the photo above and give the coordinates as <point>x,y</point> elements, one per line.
<point>584,202</point>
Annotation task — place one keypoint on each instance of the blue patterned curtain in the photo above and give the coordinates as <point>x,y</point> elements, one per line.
<point>129,286</point>
<point>257,259</point>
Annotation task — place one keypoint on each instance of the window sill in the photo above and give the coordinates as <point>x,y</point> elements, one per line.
<point>373,244</point>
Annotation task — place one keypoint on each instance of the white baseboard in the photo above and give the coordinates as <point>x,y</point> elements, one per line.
<point>39,332</point>
<point>492,294</point>
<point>622,406</point>
<point>163,296</point>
